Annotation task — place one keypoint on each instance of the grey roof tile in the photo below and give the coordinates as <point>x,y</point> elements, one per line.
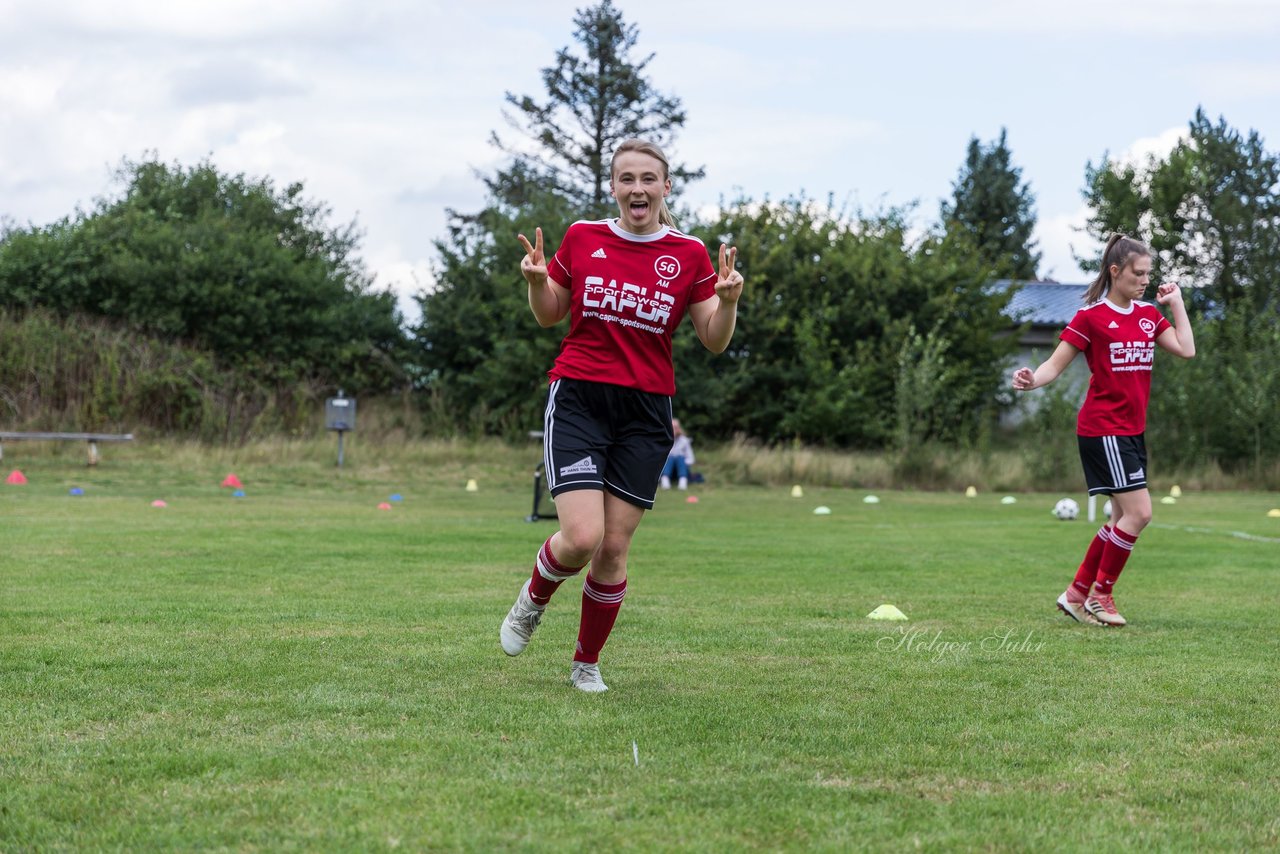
<point>1043,303</point>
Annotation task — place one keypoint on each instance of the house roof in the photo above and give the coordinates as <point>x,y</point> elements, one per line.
<point>1043,303</point>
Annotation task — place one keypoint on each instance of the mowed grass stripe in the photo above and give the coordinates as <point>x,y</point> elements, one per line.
<point>299,670</point>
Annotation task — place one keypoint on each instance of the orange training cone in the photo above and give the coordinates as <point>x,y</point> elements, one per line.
<point>232,481</point>
<point>16,477</point>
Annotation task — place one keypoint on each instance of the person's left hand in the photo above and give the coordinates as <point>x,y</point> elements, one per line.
<point>729,282</point>
<point>1169,293</point>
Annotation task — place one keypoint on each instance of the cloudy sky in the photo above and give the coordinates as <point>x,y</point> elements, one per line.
<point>383,108</point>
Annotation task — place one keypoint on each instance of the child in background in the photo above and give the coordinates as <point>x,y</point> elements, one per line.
<point>1118,333</point>
<point>679,459</point>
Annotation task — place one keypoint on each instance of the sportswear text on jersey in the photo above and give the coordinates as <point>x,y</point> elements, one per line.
<point>613,304</point>
<point>629,292</point>
<point>1132,355</point>
<point>1120,347</point>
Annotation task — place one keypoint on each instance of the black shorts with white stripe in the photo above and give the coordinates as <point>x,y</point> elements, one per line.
<point>606,437</point>
<point>1114,463</point>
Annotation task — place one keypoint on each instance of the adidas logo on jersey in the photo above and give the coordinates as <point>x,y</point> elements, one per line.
<point>599,253</point>
<point>582,466</point>
<point>1113,325</point>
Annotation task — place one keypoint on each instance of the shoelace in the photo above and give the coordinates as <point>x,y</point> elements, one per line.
<point>526,620</point>
<point>1107,602</point>
<point>587,673</point>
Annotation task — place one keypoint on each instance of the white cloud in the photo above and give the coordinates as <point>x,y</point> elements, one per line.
<point>1235,80</point>
<point>1060,237</point>
<point>1147,19</point>
<point>28,89</point>
<point>785,142</point>
<point>406,279</point>
<point>383,108</point>
<point>235,79</point>
<point>1158,146</point>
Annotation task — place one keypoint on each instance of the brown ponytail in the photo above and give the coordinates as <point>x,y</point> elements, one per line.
<point>1118,251</point>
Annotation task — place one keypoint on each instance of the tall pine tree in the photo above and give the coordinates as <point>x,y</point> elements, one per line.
<point>483,355</point>
<point>595,99</point>
<point>993,207</point>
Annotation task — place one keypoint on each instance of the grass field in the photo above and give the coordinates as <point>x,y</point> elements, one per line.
<point>299,670</point>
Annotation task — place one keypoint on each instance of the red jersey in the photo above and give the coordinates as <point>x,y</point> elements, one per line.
<point>1120,346</point>
<point>629,293</point>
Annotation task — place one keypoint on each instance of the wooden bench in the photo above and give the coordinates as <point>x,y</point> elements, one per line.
<point>92,438</point>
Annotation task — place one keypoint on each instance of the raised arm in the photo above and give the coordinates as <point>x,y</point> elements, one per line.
<point>1024,379</point>
<point>549,301</point>
<point>1180,340</point>
<point>715,319</point>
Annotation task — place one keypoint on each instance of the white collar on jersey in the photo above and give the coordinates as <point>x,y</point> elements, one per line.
<point>1117,309</point>
<point>638,238</point>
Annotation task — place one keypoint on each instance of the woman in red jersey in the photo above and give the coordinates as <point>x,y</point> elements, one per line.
<point>625,283</point>
<point>1118,334</point>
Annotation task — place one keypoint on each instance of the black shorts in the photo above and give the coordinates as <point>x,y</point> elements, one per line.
<point>604,436</point>
<point>1114,463</point>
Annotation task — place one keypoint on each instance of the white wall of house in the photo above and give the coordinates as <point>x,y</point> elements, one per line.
<point>1034,348</point>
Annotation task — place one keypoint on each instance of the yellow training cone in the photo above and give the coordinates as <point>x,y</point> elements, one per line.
<point>797,492</point>
<point>971,492</point>
<point>1176,491</point>
<point>1274,513</point>
<point>472,486</point>
<point>1168,499</point>
<point>886,612</point>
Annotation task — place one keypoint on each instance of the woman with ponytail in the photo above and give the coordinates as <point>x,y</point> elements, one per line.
<point>1118,334</point>
<point>625,283</point>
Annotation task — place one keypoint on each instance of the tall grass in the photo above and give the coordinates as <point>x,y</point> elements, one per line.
<point>1013,467</point>
<point>86,374</point>
<point>388,442</point>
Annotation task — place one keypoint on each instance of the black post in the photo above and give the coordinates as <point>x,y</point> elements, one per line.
<point>537,491</point>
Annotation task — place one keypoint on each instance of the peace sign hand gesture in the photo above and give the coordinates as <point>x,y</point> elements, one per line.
<point>534,264</point>
<point>729,281</point>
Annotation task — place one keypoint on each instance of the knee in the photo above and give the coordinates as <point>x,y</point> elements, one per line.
<point>579,543</point>
<point>612,552</point>
<point>1136,520</point>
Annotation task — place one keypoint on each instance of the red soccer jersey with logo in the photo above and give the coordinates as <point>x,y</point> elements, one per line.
<point>629,293</point>
<point>1120,346</point>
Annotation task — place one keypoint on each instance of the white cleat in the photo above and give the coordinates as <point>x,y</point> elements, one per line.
<point>586,677</point>
<point>1074,609</point>
<point>1103,607</point>
<point>520,623</point>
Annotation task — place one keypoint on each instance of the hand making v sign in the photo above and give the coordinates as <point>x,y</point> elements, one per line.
<point>534,264</point>
<point>729,281</point>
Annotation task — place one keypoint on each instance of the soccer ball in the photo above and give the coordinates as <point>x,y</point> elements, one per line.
<point>1066,509</point>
